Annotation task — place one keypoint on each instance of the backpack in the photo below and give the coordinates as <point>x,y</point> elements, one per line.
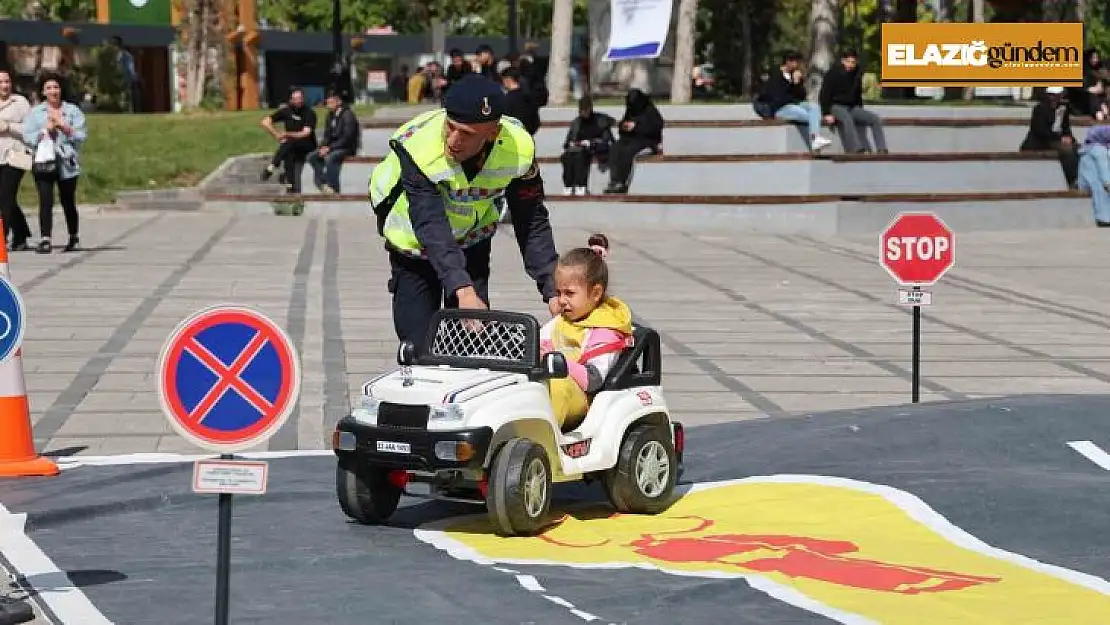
<point>762,107</point>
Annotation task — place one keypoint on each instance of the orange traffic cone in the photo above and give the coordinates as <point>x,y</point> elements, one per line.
<point>18,457</point>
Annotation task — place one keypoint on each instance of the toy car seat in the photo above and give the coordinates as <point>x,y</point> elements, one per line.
<point>626,372</point>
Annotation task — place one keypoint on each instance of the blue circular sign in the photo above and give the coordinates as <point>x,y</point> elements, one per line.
<point>13,319</point>
<point>229,378</point>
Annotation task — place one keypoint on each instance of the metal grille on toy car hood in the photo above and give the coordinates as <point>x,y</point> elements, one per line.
<point>403,415</point>
<point>488,339</point>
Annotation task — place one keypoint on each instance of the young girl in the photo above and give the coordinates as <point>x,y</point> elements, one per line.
<point>592,330</point>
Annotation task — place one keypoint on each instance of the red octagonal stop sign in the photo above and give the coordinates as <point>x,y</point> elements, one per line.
<point>917,249</point>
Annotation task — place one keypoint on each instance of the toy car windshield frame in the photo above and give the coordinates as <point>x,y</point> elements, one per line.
<point>506,341</point>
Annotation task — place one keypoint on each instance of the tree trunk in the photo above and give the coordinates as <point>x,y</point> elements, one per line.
<point>977,14</point>
<point>558,71</point>
<point>199,26</point>
<point>944,10</point>
<point>747,78</point>
<point>685,39</point>
<point>229,83</point>
<point>822,36</point>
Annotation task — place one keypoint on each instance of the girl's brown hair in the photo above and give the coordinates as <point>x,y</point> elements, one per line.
<point>590,260</point>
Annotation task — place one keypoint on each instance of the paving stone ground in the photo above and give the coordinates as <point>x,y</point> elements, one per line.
<point>753,326</point>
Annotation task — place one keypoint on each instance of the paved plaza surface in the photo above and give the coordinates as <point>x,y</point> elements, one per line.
<point>752,326</point>
<point>787,358</point>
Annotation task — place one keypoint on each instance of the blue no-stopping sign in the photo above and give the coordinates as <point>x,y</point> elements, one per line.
<point>13,319</point>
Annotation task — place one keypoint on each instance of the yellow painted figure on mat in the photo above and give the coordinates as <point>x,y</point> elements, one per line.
<point>591,330</point>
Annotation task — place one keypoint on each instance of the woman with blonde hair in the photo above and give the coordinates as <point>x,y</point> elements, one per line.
<point>15,160</point>
<point>55,130</point>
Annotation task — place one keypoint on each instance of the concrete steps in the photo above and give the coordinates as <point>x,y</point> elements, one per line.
<point>744,111</point>
<point>184,199</point>
<point>828,215</point>
<point>799,174</point>
<point>759,137</point>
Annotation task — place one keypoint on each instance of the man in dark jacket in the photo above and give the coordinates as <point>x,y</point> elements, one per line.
<point>483,58</point>
<point>1050,129</point>
<point>842,103</point>
<point>784,97</point>
<point>456,69</point>
<point>341,139</point>
<point>518,102</point>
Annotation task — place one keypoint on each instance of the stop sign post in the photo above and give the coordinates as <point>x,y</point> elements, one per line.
<point>917,249</point>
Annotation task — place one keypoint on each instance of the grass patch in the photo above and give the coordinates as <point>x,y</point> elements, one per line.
<point>138,152</point>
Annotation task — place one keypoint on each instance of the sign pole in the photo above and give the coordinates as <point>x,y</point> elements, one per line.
<point>223,554</point>
<point>916,249</point>
<point>228,379</point>
<point>915,374</point>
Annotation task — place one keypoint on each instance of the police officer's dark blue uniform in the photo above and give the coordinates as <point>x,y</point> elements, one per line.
<point>450,273</point>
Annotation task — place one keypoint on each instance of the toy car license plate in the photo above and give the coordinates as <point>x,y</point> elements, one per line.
<point>394,448</point>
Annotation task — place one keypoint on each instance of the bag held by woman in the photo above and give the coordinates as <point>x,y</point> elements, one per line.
<point>46,157</point>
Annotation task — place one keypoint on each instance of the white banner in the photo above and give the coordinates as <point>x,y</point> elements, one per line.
<point>638,28</point>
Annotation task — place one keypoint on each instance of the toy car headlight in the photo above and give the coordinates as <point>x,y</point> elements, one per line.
<point>445,413</point>
<point>366,411</point>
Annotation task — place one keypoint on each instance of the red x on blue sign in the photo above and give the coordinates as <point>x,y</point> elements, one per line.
<point>228,378</point>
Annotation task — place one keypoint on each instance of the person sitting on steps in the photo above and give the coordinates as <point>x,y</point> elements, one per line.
<point>1050,130</point>
<point>592,329</point>
<point>342,137</point>
<point>590,135</point>
<point>641,128</point>
<point>295,143</point>
<point>784,97</point>
<point>842,103</point>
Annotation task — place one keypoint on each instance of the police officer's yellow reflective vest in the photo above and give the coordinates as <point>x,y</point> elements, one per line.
<point>469,203</point>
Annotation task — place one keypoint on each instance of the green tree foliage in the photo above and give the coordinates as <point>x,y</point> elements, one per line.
<point>463,17</point>
<point>1098,26</point>
<point>56,10</point>
<point>745,39</point>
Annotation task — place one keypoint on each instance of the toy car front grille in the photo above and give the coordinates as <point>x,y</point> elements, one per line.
<point>403,415</point>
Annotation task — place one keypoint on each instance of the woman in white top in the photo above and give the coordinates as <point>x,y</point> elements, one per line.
<point>15,158</point>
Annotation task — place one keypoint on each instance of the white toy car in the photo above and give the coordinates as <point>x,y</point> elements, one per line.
<point>469,419</point>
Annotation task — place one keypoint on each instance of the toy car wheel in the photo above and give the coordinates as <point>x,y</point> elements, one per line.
<point>519,495</point>
<point>365,493</point>
<point>646,472</point>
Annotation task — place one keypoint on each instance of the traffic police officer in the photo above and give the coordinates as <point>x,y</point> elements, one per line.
<point>434,198</point>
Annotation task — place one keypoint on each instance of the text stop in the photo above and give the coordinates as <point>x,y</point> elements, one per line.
<point>912,248</point>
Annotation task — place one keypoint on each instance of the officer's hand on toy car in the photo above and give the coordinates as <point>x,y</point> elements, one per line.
<point>469,300</point>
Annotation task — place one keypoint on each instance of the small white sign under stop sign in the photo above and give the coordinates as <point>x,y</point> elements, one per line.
<point>232,477</point>
<point>915,297</point>
<point>917,248</point>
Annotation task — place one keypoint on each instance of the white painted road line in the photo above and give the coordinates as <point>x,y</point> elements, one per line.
<point>50,585</point>
<point>1093,452</point>
<point>529,583</point>
<point>74,462</point>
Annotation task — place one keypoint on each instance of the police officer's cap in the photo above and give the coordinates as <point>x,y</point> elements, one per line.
<point>474,99</point>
